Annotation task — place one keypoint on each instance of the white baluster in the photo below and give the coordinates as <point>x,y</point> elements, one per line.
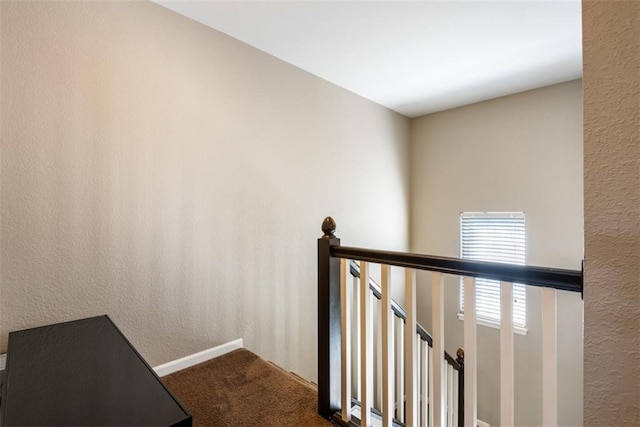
<point>418,375</point>
<point>438,396</point>
<point>424,383</point>
<point>358,337</point>
<point>456,403</point>
<point>431,387</point>
<point>549,358</point>
<point>411,348</point>
<point>400,370</point>
<point>345,305</point>
<point>387,349</point>
<point>506,355</point>
<point>378,376</point>
<point>470,354</point>
<point>449,395</point>
<point>366,362</point>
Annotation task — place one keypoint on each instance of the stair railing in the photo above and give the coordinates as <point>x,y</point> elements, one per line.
<point>438,408</point>
<point>454,367</point>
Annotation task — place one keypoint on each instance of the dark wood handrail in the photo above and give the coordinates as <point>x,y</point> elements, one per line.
<point>566,280</point>
<point>453,362</point>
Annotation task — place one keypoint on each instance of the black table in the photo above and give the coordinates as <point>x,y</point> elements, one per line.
<point>83,372</point>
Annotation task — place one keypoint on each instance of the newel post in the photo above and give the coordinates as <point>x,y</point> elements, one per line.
<point>328,322</point>
<point>460,360</point>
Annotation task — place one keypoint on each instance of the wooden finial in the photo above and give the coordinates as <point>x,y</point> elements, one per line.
<point>460,356</point>
<point>328,228</point>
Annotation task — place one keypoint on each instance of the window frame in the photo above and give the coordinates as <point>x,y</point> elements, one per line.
<point>482,320</point>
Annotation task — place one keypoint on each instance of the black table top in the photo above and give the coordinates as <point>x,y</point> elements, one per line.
<point>83,372</point>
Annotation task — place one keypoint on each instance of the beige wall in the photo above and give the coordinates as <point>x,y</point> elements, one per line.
<point>176,179</point>
<point>612,212</point>
<point>518,153</point>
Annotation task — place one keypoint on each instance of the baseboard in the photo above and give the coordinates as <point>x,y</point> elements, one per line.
<point>196,358</point>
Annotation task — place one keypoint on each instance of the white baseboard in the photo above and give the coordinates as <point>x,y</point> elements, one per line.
<point>196,358</point>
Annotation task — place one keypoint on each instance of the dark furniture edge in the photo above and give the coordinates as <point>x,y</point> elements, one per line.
<point>188,416</point>
<point>186,421</point>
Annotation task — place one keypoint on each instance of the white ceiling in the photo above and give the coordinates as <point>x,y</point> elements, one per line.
<point>415,57</point>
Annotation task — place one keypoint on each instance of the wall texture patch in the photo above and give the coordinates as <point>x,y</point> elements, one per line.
<point>612,212</point>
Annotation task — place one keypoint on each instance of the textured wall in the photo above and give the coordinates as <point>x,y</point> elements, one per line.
<point>612,212</point>
<point>517,153</point>
<point>174,178</point>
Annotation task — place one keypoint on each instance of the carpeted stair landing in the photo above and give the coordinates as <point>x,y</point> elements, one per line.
<point>241,389</point>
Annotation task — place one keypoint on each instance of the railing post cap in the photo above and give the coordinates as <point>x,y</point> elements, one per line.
<point>328,228</point>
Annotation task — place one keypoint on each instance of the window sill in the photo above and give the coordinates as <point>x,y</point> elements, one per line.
<point>485,322</point>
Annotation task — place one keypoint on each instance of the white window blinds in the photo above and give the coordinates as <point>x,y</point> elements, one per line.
<point>497,237</point>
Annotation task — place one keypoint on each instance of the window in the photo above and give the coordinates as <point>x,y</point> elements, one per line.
<point>497,237</point>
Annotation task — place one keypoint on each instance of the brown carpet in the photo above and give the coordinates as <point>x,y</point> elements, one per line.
<point>241,389</point>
